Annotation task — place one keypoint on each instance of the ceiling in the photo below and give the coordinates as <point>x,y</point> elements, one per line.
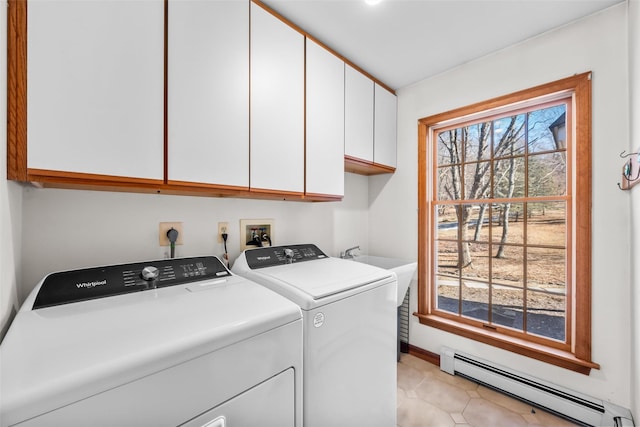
<point>401,42</point>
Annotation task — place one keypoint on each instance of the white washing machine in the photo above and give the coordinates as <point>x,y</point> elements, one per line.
<point>349,312</point>
<point>179,342</point>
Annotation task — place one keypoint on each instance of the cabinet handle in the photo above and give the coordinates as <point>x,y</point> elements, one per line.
<point>218,422</point>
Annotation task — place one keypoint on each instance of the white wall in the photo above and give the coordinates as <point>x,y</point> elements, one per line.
<point>597,43</point>
<point>67,229</point>
<point>634,80</point>
<point>10,202</point>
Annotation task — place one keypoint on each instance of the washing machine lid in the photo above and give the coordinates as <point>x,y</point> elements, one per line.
<point>56,355</point>
<point>311,276</point>
<point>325,277</point>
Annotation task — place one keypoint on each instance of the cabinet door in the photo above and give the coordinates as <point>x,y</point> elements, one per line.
<point>325,122</point>
<point>358,114</point>
<point>277,104</point>
<point>208,98</point>
<point>384,139</point>
<point>95,96</point>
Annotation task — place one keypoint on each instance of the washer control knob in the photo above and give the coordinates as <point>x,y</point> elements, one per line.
<point>288,254</point>
<point>149,273</point>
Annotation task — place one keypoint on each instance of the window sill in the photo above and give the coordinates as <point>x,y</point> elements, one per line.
<point>563,359</point>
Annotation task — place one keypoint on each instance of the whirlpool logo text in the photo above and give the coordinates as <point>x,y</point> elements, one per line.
<point>91,284</point>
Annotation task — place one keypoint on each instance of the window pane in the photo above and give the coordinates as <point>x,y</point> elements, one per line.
<point>547,129</point>
<point>546,315</point>
<point>449,183</point>
<point>448,294</point>
<point>507,223</point>
<point>458,221</point>
<point>508,136</point>
<point>477,142</point>
<point>450,147</point>
<point>475,279</point>
<point>547,223</point>
<point>447,259</point>
<point>477,180</point>
<point>448,276</point>
<point>508,269</point>
<point>546,270</point>
<point>547,174</point>
<point>508,178</point>
<point>477,219</point>
<point>546,292</point>
<point>468,217</point>
<point>475,301</point>
<point>478,265</point>
<point>507,306</point>
<point>447,222</point>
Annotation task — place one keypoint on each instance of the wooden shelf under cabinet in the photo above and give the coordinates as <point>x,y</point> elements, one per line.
<point>364,167</point>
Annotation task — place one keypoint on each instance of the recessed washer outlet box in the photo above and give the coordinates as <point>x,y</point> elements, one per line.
<point>262,229</point>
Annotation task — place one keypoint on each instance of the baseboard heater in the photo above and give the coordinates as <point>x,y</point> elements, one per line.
<point>577,407</point>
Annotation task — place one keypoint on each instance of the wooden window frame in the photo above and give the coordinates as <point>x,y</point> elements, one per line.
<point>576,355</point>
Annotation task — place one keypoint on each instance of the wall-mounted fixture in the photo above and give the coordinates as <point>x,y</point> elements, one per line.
<point>164,228</point>
<point>256,233</point>
<point>630,170</point>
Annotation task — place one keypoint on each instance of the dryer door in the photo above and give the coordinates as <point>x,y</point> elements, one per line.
<point>270,403</point>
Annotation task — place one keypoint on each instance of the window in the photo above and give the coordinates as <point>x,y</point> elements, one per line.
<point>505,222</point>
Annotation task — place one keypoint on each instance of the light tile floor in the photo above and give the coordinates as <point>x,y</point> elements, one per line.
<point>428,397</point>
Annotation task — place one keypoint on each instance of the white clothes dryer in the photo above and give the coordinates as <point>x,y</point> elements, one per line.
<point>349,312</point>
<point>179,342</point>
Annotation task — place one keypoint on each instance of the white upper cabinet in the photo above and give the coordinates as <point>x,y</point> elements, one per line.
<point>370,125</point>
<point>95,97</point>
<point>325,122</point>
<point>358,115</point>
<point>384,138</point>
<point>208,92</point>
<point>277,104</point>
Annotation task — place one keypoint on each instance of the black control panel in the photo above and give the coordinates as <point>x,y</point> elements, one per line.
<point>279,255</point>
<point>98,282</point>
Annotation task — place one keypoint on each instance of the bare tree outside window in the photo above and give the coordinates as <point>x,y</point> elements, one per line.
<point>501,212</point>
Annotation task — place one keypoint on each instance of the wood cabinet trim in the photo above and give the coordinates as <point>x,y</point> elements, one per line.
<point>165,88</point>
<point>364,167</point>
<point>84,181</point>
<point>17,90</point>
<point>314,197</point>
<point>49,176</point>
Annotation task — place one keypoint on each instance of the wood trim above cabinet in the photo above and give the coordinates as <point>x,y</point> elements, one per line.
<point>364,167</point>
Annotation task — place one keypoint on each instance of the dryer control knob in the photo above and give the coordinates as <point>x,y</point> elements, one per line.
<point>288,254</point>
<point>149,273</point>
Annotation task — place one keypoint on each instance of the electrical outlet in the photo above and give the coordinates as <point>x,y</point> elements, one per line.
<point>223,228</point>
<point>166,226</point>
